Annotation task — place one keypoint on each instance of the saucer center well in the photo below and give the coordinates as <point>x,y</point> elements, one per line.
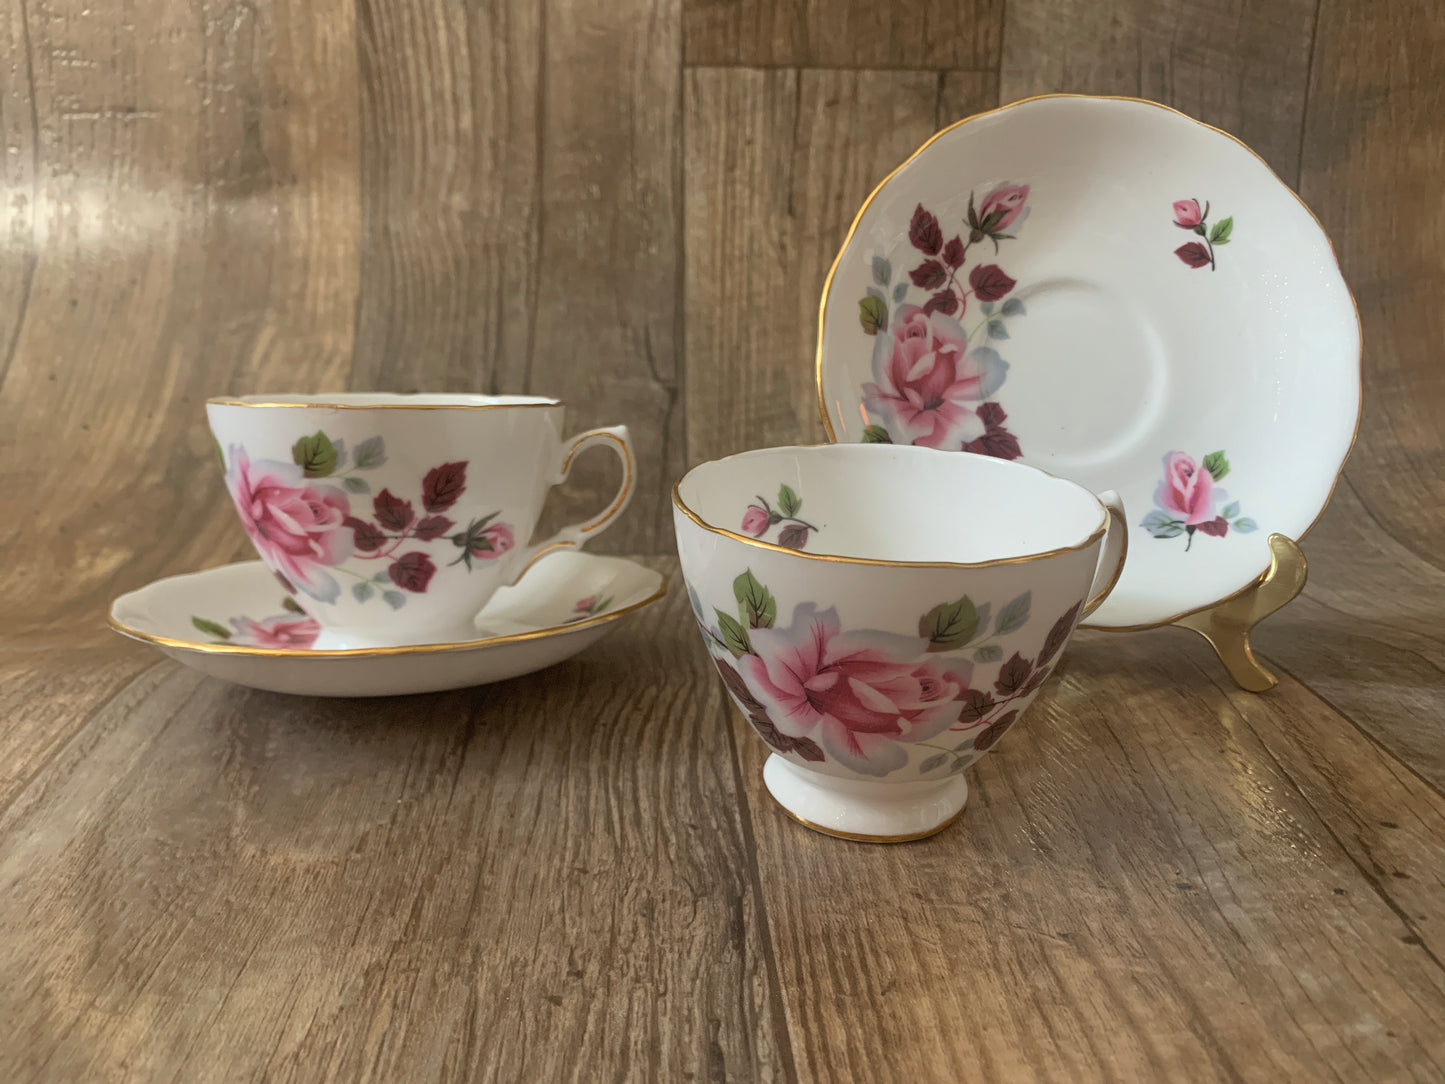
<point>1087,376</point>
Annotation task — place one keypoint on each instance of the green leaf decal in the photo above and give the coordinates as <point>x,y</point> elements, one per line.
<point>996,330</point>
<point>220,455</point>
<point>381,577</point>
<point>789,502</point>
<point>900,291</point>
<point>362,590</point>
<point>1162,525</point>
<point>354,484</point>
<point>1216,464</point>
<point>395,599</point>
<point>290,605</point>
<point>210,628</point>
<point>756,604</point>
<point>315,455</point>
<point>734,635</point>
<point>988,653</point>
<point>873,315</point>
<point>1013,307</point>
<point>874,292</point>
<point>1231,510</point>
<point>1222,229</point>
<point>932,763</point>
<point>882,270</point>
<point>949,624</point>
<point>986,308</point>
<point>1014,615</point>
<point>876,434</point>
<point>370,453</point>
<point>1245,525</point>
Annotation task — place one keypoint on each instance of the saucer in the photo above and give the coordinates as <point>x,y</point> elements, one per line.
<point>1120,295</point>
<point>236,623</point>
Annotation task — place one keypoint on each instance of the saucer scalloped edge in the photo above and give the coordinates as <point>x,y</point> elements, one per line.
<point>1123,296</point>
<point>236,623</point>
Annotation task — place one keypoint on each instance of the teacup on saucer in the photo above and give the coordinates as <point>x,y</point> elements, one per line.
<point>884,615</point>
<point>392,519</point>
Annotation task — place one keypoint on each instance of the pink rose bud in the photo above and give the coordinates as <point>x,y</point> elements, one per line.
<point>1004,204</point>
<point>585,604</point>
<point>1187,213</point>
<point>755,521</point>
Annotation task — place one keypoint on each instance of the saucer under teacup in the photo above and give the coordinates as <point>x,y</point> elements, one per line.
<point>236,623</point>
<point>1123,296</point>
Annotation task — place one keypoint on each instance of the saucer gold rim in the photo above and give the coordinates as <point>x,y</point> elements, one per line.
<point>402,649</point>
<point>325,403</point>
<point>1329,244</point>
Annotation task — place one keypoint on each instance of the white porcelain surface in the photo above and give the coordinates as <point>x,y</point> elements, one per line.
<point>876,681</point>
<point>394,518</point>
<point>565,603</point>
<point>1114,354</point>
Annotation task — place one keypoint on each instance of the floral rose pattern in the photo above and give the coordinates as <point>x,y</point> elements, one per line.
<point>864,698</point>
<point>587,607</point>
<point>1189,500</point>
<point>291,629</point>
<point>934,378</point>
<point>760,518</point>
<point>306,529</point>
<point>1188,215</point>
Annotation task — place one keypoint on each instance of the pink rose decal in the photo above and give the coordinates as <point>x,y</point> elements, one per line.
<point>756,521</point>
<point>858,695</point>
<point>927,380</point>
<point>584,605</point>
<point>1186,490</point>
<point>1189,497</point>
<point>1187,213</point>
<point>295,525</point>
<point>282,631</point>
<point>493,542</point>
<point>1002,207</point>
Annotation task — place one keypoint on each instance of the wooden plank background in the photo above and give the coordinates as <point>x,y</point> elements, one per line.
<point>577,875</point>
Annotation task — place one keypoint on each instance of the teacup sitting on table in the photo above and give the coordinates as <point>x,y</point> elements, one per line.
<point>392,519</point>
<point>883,614</point>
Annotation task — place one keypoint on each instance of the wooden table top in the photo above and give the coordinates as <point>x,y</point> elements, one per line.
<point>578,874</point>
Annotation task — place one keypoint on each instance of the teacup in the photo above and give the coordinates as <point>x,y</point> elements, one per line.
<point>883,614</point>
<point>392,519</point>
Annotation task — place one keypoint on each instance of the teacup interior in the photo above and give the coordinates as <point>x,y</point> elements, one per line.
<point>892,503</point>
<point>374,399</point>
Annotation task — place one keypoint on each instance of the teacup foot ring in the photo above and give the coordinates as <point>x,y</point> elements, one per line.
<point>863,810</point>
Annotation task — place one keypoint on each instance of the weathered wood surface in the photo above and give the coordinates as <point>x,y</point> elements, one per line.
<point>578,874</point>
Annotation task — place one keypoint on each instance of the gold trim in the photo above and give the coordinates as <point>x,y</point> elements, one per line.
<point>542,401</point>
<point>706,526</point>
<point>1116,516</point>
<point>1359,324</point>
<point>624,452</point>
<point>858,837</point>
<point>403,649</point>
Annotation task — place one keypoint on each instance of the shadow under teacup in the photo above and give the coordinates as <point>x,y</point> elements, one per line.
<point>883,614</point>
<point>392,519</point>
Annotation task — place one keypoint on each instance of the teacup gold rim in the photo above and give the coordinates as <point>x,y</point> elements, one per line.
<point>1042,555</point>
<point>1329,244</point>
<point>334,402</point>
<point>402,649</point>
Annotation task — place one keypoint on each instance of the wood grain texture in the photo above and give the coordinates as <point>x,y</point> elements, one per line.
<point>778,172</point>
<point>531,881</point>
<point>931,34</point>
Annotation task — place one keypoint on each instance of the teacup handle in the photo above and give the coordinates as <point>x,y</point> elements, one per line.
<point>615,437</point>
<point>1111,555</point>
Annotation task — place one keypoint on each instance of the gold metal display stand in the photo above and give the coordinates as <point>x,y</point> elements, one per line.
<point>1228,625</point>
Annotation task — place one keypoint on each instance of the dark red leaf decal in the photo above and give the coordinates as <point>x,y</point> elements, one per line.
<point>366,534</point>
<point>953,253</point>
<point>945,301</point>
<point>989,738</point>
<point>929,275</point>
<point>1013,675</point>
<point>924,232</point>
<point>737,686</point>
<point>1194,254</point>
<point>1034,681</point>
<point>443,485</point>
<point>758,716</point>
<point>990,282</point>
<point>1218,527</point>
<point>997,442</point>
<point>794,536</point>
<point>432,527</point>
<point>412,571</point>
<point>992,415</point>
<point>1058,634</point>
<point>976,704</point>
<point>393,513</point>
